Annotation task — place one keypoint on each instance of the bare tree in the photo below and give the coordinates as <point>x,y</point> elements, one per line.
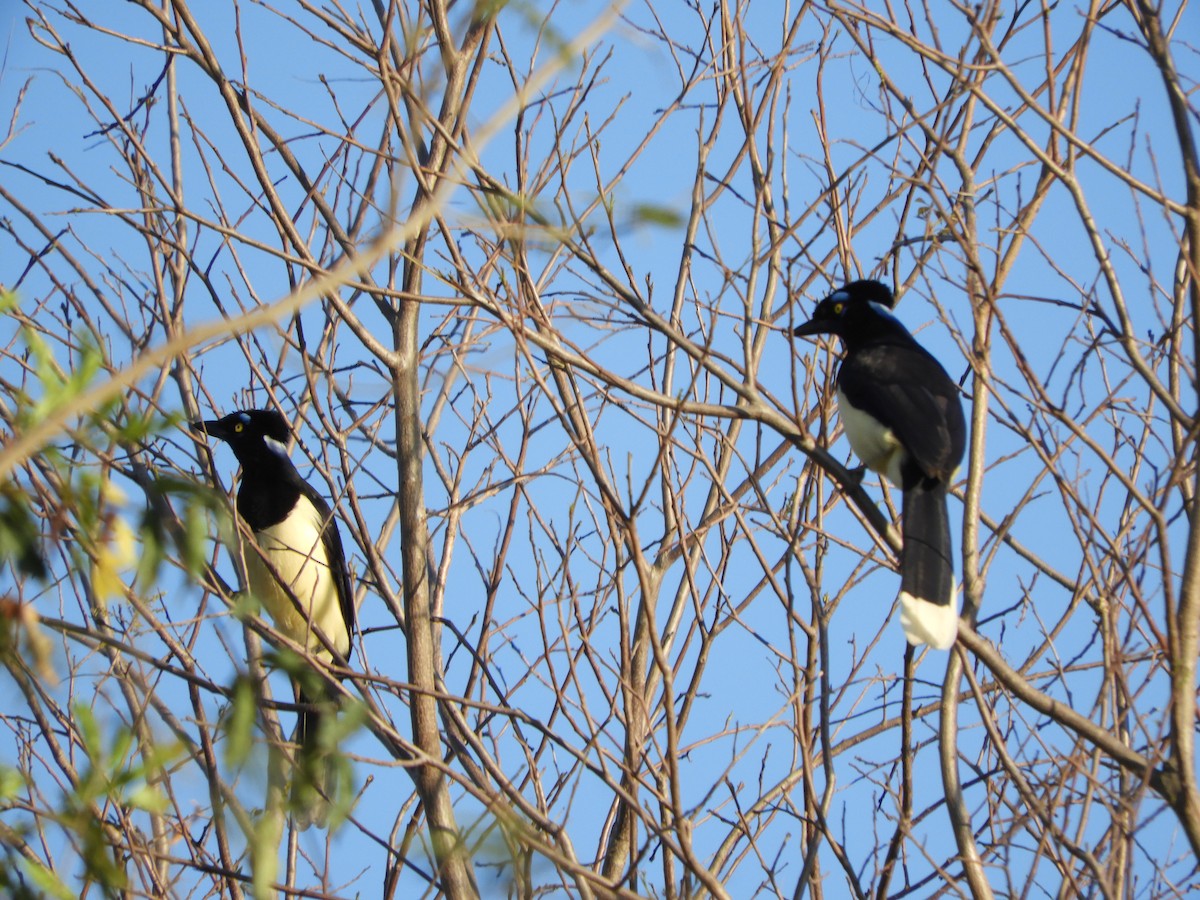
<point>522,276</point>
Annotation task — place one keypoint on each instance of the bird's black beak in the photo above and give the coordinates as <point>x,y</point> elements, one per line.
<point>809,328</point>
<point>211,428</point>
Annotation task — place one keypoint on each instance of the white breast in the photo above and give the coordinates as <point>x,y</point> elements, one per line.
<point>297,554</point>
<point>873,443</point>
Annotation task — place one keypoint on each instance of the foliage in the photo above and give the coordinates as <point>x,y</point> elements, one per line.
<point>522,276</point>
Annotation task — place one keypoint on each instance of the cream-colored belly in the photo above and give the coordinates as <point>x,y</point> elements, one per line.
<point>877,447</point>
<point>298,556</point>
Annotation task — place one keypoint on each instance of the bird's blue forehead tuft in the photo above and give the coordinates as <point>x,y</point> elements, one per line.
<point>244,418</point>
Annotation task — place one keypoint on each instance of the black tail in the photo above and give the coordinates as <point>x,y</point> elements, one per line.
<point>314,776</point>
<point>927,608</point>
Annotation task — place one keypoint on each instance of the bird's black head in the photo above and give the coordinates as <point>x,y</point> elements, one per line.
<point>857,310</point>
<point>253,434</point>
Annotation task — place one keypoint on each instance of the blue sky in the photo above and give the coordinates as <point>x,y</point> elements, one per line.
<point>746,683</point>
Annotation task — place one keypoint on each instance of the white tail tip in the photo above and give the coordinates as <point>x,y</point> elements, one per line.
<point>928,623</point>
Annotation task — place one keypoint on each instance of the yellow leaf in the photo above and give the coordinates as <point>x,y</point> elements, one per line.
<point>119,552</point>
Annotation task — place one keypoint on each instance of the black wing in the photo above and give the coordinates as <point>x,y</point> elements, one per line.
<point>332,539</point>
<point>904,388</point>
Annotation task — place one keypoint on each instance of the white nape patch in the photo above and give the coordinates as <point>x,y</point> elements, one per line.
<point>297,553</point>
<point>276,447</point>
<point>885,312</point>
<point>928,623</point>
<point>875,444</point>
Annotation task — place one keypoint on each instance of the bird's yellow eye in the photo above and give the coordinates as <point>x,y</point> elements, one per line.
<point>837,308</point>
<point>239,427</point>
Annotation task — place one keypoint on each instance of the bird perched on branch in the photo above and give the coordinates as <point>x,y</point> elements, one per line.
<point>902,415</point>
<point>297,570</point>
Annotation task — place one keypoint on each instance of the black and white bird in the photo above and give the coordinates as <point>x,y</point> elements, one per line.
<point>903,417</point>
<point>297,570</point>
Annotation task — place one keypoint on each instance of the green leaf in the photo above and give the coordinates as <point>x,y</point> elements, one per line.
<point>20,534</point>
<point>148,798</point>
<point>47,882</point>
<point>195,539</point>
<point>11,782</point>
<point>653,214</point>
<point>239,724</point>
<point>89,733</point>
